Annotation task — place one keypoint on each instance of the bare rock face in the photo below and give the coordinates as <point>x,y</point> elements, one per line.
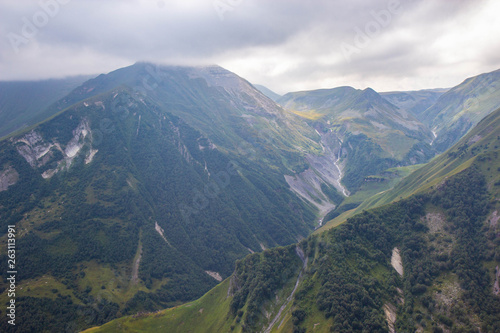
<point>162,233</point>
<point>38,152</point>
<point>33,148</point>
<point>390,316</point>
<point>78,141</point>
<point>8,177</point>
<point>396,261</point>
<point>214,275</point>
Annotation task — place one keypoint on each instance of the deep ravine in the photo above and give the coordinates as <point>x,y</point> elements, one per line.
<point>342,187</point>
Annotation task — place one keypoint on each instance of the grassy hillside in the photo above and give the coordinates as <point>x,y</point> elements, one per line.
<point>462,107</point>
<point>209,313</point>
<point>371,186</point>
<point>232,306</point>
<point>364,110</point>
<point>480,145</point>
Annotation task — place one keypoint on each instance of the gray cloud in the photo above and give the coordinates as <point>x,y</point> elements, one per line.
<point>284,44</point>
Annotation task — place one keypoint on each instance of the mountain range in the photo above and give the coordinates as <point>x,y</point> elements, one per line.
<point>426,263</point>
<point>141,188</point>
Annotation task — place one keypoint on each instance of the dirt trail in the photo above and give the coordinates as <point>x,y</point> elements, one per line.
<point>135,267</point>
<point>302,257</point>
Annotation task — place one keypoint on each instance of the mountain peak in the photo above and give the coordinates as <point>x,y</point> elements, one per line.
<point>373,96</point>
<point>370,91</point>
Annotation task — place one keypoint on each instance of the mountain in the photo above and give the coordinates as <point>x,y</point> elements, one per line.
<point>237,118</point>
<point>268,92</point>
<point>152,185</point>
<point>429,262</point>
<point>414,102</point>
<point>143,190</point>
<point>360,108</point>
<point>480,144</point>
<point>365,132</point>
<point>24,103</point>
<point>213,100</point>
<point>462,107</point>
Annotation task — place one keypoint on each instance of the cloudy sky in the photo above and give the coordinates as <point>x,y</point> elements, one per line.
<point>287,45</point>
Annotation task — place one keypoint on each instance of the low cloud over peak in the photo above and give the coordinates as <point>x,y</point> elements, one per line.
<point>285,45</point>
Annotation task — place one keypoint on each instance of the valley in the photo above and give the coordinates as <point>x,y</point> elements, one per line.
<point>199,203</point>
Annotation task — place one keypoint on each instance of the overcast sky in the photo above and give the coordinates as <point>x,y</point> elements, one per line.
<point>287,45</point>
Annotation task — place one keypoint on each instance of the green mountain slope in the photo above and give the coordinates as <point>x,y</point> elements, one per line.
<point>237,119</point>
<point>415,102</point>
<point>365,133</point>
<point>426,263</point>
<point>24,103</point>
<point>480,144</point>
<point>130,201</point>
<point>462,107</point>
<point>365,108</point>
<point>228,109</point>
<point>151,181</point>
<point>229,305</point>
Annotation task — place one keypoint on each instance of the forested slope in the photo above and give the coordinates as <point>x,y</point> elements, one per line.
<point>121,206</point>
<point>428,262</point>
<point>448,247</point>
